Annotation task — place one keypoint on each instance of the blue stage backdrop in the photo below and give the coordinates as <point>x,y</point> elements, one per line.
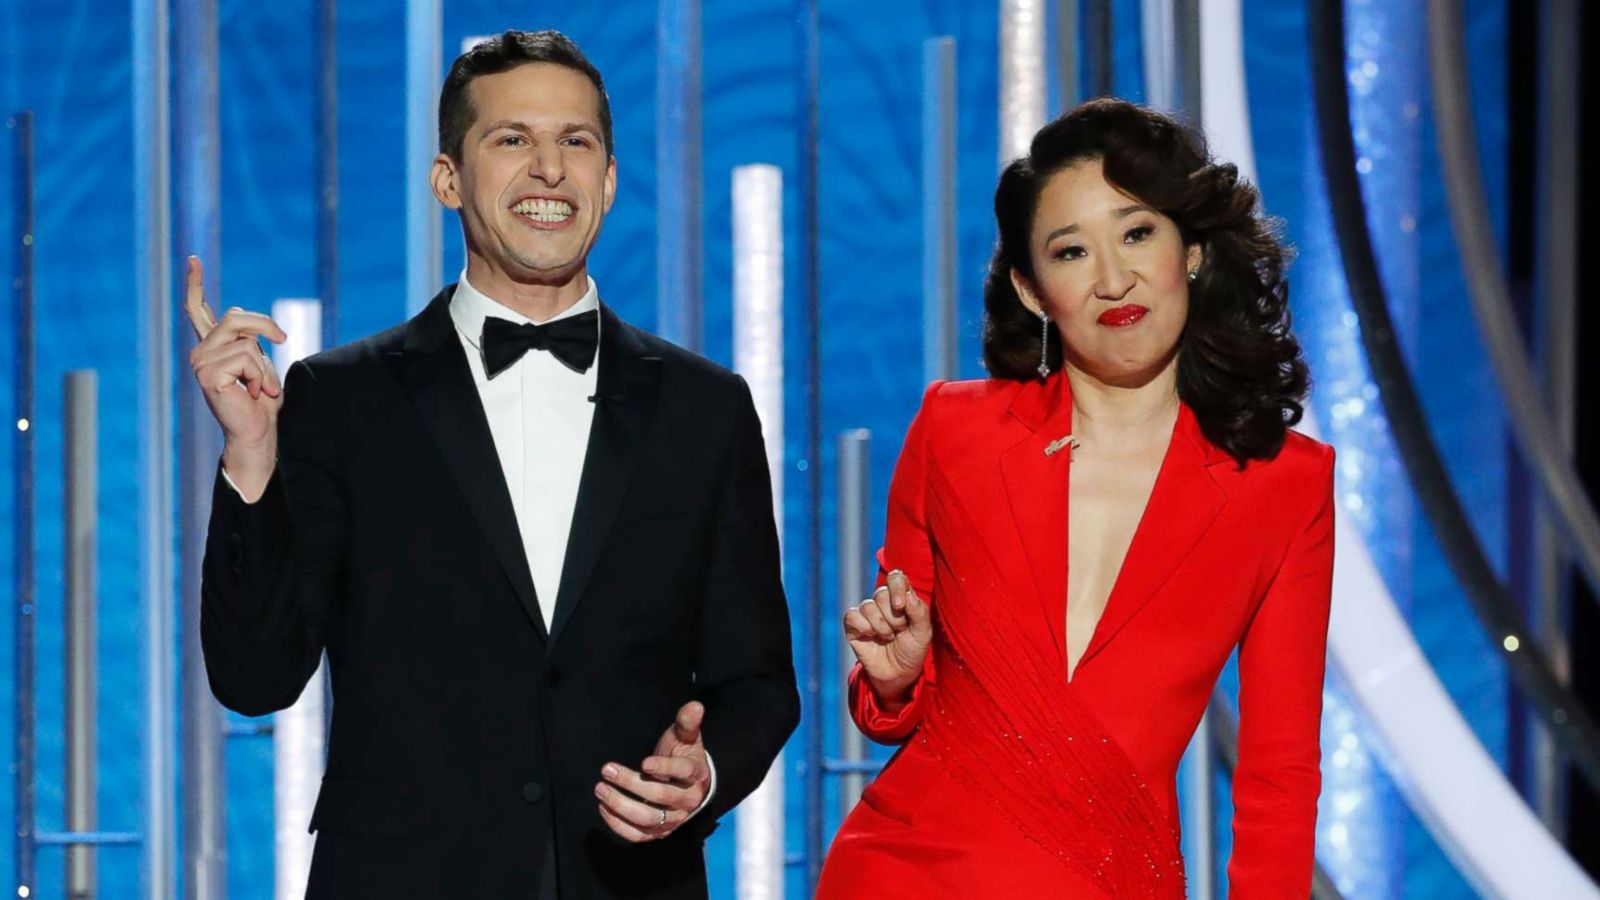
<point>71,62</point>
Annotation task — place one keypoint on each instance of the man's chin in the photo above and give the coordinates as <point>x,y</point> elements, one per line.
<point>545,272</point>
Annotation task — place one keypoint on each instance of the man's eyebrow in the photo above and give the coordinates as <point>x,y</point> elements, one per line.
<point>525,128</point>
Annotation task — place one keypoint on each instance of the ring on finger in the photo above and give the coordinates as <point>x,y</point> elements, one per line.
<point>663,820</point>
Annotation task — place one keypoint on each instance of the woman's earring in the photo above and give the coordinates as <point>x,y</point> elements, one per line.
<point>1044,345</point>
<point>1193,274</point>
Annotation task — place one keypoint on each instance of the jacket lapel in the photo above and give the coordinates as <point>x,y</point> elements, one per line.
<point>1183,503</point>
<point>625,403</point>
<point>1036,490</point>
<point>434,369</point>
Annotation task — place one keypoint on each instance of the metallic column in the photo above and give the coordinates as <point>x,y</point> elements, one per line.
<point>1067,56</point>
<point>679,257</point>
<point>758,356</point>
<point>423,248</point>
<point>152,194</point>
<point>939,210</point>
<point>1171,42</point>
<point>855,467</point>
<point>327,30</point>
<point>81,451</point>
<point>1022,66</point>
<point>1173,82</point>
<point>297,732</point>
<point>1097,55</point>
<point>1199,809</point>
<point>197,163</point>
<point>21,128</point>
<point>1557,311</point>
<point>809,297</point>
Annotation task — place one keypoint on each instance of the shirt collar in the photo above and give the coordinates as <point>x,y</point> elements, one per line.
<point>470,306</point>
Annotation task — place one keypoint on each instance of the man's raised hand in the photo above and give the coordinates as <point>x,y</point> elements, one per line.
<point>239,383</point>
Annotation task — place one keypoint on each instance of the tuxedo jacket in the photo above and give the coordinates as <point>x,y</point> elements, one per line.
<point>466,737</point>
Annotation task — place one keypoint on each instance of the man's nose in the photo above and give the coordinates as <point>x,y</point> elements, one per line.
<point>546,164</point>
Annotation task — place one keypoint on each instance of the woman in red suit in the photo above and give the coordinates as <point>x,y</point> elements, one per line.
<point>1076,545</point>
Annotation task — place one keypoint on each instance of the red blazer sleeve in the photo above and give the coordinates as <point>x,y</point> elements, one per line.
<point>908,547</point>
<point>1281,659</point>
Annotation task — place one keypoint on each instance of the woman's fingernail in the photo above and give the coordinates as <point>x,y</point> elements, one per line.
<point>610,772</point>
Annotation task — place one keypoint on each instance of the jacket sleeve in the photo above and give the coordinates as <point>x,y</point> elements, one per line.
<point>1281,663</point>
<point>907,546</point>
<point>743,665</point>
<point>272,569</point>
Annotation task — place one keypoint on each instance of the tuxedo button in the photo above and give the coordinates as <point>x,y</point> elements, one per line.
<point>553,677</point>
<point>236,554</point>
<point>533,792</point>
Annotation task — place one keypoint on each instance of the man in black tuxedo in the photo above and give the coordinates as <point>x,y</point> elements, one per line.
<point>536,543</point>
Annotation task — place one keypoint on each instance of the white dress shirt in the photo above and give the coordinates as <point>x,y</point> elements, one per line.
<point>539,414</point>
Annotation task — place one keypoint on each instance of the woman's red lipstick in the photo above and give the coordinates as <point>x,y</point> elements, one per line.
<point>1122,316</point>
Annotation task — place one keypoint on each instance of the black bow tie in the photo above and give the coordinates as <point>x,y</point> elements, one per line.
<point>572,340</point>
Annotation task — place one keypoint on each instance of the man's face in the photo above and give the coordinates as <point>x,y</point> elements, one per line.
<point>535,179</point>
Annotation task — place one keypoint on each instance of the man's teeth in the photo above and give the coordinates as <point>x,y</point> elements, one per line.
<point>544,210</point>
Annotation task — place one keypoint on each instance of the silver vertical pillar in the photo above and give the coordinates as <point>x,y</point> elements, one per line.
<point>82,489</point>
<point>1173,83</point>
<point>423,247</point>
<point>153,265</point>
<point>1022,68</point>
<point>1067,54</point>
<point>1171,40</point>
<point>327,26</point>
<point>20,129</point>
<point>758,356</point>
<point>855,467</point>
<point>198,163</point>
<point>1556,287</point>
<point>1199,812</point>
<point>939,210</point>
<point>297,733</point>
<point>679,256</point>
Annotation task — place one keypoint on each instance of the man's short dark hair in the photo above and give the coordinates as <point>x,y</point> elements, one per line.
<point>502,53</point>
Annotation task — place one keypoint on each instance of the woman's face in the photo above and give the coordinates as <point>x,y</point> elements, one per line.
<point>1111,273</point>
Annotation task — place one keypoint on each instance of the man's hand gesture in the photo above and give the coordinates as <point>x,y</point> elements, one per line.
<point>674,783</point>
<point>238,382</point>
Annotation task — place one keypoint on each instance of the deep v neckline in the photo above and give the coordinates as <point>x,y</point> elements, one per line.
<point>1072,667</point>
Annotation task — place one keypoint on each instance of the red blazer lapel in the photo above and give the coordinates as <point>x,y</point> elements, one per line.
<point>1184,502</point>
<point>1036,488</point>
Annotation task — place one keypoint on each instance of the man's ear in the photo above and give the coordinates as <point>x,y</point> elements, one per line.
<point>1024,289</point>
<point>443,179</point>
<point>611,183</point>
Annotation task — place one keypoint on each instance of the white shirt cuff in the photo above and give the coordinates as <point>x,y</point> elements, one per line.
<point>711,791</point>
<point>229,479</point>
<point>231,483</point>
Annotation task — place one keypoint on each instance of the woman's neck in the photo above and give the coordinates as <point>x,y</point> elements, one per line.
<point>1103,411</point>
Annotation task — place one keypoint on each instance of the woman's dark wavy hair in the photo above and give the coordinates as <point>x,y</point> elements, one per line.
<point>1239,366</point>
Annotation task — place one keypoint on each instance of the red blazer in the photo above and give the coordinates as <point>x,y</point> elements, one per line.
<point>1015,781</point>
